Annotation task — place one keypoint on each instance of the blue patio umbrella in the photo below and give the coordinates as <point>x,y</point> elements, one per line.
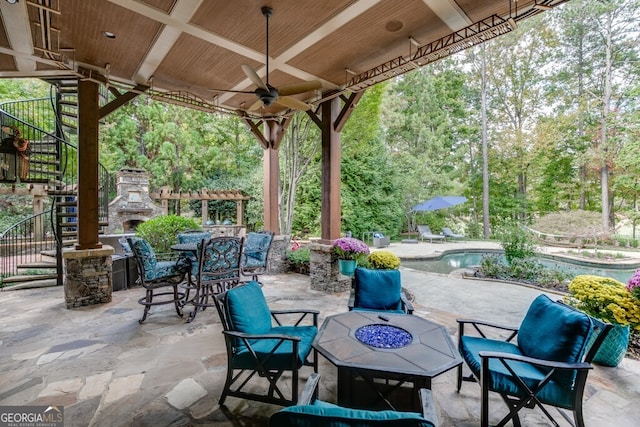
<point>439,202</point>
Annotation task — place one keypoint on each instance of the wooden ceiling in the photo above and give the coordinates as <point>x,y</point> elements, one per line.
<point>193,46</point>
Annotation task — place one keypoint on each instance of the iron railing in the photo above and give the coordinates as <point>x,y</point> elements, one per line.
<point>52,161</point>
<point>26,243</point>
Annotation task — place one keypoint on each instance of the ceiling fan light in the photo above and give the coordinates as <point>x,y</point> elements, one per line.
<point>12,1</point>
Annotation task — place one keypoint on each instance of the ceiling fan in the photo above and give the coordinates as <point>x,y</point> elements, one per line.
<point>268,94</point>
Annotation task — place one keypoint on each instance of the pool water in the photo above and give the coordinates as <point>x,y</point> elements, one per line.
<point>453,261</point>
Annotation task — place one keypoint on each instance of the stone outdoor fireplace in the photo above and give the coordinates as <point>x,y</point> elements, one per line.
<point>132,205</point>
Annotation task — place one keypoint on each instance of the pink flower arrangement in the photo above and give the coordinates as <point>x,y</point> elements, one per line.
<point>350,248</point>
<point>633,284</point>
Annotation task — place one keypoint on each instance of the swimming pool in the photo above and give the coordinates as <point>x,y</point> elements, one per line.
<point>454,260</point>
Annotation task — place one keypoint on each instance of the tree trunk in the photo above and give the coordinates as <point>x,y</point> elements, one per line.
<point>485,148</point>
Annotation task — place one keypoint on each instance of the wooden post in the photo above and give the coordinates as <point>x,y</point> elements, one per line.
<point>331,159</point>
<point>239,212</point>
<point>271,178</point>
<point>88,114</point>
<point>205,211</point>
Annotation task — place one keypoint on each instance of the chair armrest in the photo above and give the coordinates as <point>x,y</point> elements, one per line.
<point>533,361</point>
<point>244,336</point>
<point>352,300</point>
<point>477,324</point>
<point>408,307</point>
<point>428,406</point>
<point>167,256</point>
<point>302,312</point>
<point>310,392</point>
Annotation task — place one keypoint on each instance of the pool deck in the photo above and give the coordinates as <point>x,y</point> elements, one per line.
<point>107,370</point>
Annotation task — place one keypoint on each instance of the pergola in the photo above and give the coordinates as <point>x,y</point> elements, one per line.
<point>178,51</point>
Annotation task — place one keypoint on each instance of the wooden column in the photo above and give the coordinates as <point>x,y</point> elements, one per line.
<point>88,114</point>
<point>239,212</point>
<point>205,211</point>
<point>271,168</point>
<point>331,159</point>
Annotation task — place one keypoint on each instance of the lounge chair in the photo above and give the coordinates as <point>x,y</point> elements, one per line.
<point>448,234</point>
<point>425,233</point>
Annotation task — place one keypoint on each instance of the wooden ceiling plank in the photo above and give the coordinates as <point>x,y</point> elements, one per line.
<point>185,27</point>
<point>450,13</point>
<point>182,11</point>
<point>16,22</point>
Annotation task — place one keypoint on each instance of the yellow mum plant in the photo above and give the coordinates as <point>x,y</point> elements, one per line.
<point>605,299</point>
<point>383,260</point>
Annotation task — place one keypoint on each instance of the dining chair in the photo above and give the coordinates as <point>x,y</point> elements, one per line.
<point>255,253</point>
<point>218,270</point>
<point>157,271</point>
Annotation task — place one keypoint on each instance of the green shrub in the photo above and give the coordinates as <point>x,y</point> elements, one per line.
<point>299,260</point>
<point>162,231</point>
<point>517,243</point>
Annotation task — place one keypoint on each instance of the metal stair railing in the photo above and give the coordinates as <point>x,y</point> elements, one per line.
<point>27,243</point>
<point>53,161</point>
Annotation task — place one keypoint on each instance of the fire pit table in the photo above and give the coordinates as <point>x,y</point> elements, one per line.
<point>383,359</point>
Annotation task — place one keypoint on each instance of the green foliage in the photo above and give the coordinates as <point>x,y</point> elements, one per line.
<point>299,260</point>
<point>517,243</point>
<point>162,231</point>
<point>525,270</point>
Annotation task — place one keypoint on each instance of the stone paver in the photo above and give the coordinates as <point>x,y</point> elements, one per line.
<point>106,369</point>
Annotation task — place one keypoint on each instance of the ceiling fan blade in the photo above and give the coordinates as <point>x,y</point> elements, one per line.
<point>290,102</point>
<point>256,105</point>
<point>295,88</point>
<point>232,91</point>
<point>253,76</point>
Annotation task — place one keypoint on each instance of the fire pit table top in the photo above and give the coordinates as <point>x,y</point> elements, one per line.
<point>429,353</point>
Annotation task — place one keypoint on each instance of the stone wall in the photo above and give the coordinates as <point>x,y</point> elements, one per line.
<point>277,262</point>
<point>324,272</point>
<point>88,277</point>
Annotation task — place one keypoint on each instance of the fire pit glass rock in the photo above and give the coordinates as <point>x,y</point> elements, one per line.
<point>383,336</point>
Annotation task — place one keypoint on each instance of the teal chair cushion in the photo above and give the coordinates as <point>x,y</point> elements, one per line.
<point>191,256</point>
<point>501,379</point>
<point>281,359</point>
<point>554,331</point>
<point>322,414</point>
<point>153,269</point>
<point>256,248</point>
<point>378,289</point>
<point>247,309</point>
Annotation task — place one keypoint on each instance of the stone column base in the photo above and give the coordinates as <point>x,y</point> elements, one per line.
<point>88,277</point>
<point>324,271</point>
<point>277,262</point>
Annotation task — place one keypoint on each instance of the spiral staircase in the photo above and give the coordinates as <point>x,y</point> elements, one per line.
<point>31,250</point>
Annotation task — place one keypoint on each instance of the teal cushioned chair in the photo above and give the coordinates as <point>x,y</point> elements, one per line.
<point>378,290</point>
<point>310,412</point>
<point>157,271</point>
<point>547,364</point>
<point>255,253</point>
<point>260,347</point>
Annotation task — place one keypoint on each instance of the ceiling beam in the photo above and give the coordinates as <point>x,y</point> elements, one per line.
<point>450,13</point>
<point>182,11</point>
<point>16,23</point>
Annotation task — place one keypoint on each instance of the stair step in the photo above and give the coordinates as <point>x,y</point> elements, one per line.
<point>39,283</point>
<point>36,265</point>
<point>44,162</point>
<point>73,204</point>
<point>28,278</point>
<point>60,193</point>
<point>69,103</point>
